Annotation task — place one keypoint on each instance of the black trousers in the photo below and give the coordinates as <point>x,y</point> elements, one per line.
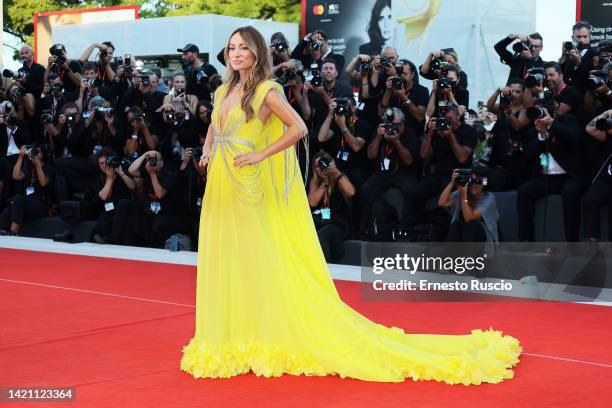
<point>598,194</point>
<point>160,227</point>
<point>471,231</point>
<point>20,209</point>
<point>116,223</point>
<point>76,172</point>
<point>6,171</point>
<point>331,237</point>
<point>376,185</point>
<point>568,186</point>
<point>415,200</point>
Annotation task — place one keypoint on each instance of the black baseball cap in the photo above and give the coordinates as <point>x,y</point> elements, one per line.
<point>189,48</point>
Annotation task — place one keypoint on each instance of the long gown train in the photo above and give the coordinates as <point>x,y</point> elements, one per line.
<point>265,298</point>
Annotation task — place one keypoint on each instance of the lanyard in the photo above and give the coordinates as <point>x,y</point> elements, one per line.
<point>101,75</point>
<point>11,133</point>
<point>561,90</point>
<point>326,197</point>
<point>32,176</point>
<point>388,149</point>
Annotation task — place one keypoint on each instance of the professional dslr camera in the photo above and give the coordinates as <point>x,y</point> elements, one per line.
<point>544,103</point>
<point>465,178</point>
<point>94,82</point>
<point>365,67</point>
<point>19,74</point>
<point>603,124</point>
<point>443,84</point>
<point>18,92</point>
<point>388,125</point>
<point>505,99</point>
<point>152,160</point>
<point>31,150</point>
<point>399,82</point>
<point>534,77</point>
<point>138,117</point>
<point>521,46</point>
<point>439,64</point>
<point>116,162</point>
<point>316,45</point>
<point>316,80</point>
<point>9,119</point>
<point>279,46</point>
<point>386,62</point>
<point>342,107</point>
<point>46,117</point>
<point>57,54</point>
<point>442,123</point>
<point>325,162</point>
<point>174,117</point>
<point>196,153</point>
<point>597,79</point>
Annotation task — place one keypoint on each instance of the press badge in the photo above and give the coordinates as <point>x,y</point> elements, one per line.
<point>343,154</point>
<point>326,213</point>
<point>155,207</point>
<point>109,206</point>
<point>361,106</point>
<point>96,149</point>
<point>544,160</point>
<point>386,163</point>
<point>29,190</point>
<point>199,202</point>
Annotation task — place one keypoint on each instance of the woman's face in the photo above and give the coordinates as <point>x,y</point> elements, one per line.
<point>385,23</point>
<point>179,82</point>
<point>450,59</point>
<point>240,56</point>
<point>203,114</point>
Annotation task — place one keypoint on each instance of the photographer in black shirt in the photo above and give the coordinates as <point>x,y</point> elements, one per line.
<point>577,56</point>
<point>329,194</point>
<point>314,49</point>
<point>197,72</point>
<point>447,145</point>
<point>32,201</point>
<point>395,151</point>
<point>526,53</point>
<point>436,62</point>
<point>447,89</point>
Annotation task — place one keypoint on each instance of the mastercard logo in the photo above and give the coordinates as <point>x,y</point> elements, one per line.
<point>318,10</point>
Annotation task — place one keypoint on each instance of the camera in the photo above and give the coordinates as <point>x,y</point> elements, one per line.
<point>443,124</point>
<point>505,99</point>
<point>32,150</point>
<point>521,46</point>
<point>46,117</point>
<point>439,64</point>
<point>385,61</point>
<point>596,79</point>
<point>544,103</point>
<point>342,107</point>
<point>94,82</point>
<point>325,163</point>
<point>113,161</point>
<point>536,112</point>
<point>316,80</point>
<point>280,46</point>
<point>21,73</point>
<point>18,92</point>
<point>399,82</point>
<point>443,83</point>
<point>70,118</point>
<point>603,124</point>
<point>316,45</point>
<point>569,46</point>
<point>365,67</point>
<point>105,110</point>
<point>9,119</point>
<point>196,153</point>
<point>145,80</point>
<point>168,116</point>
<point>391,128</point>
<point>465,178</point>
<point>56,88</point>
<point>534,77</point>
<point>57,52</point>
<point>152,160</point>
<point>138,116</point>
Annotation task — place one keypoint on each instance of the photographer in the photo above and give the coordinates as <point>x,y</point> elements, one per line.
<point>35,73</point>
<point>474,210</point>
<point>137,134</point>
<point>52,99</point>
<point>13,135</point>
<point>66,137</point>
<point>191,183</point>
<point>160,206</point>
<point>281,54</point>
<point>68,71</point>
<point>314,48</point>
<point>197,72</point>
<point>89,86</point>
<point>177,135</point>
<point>447,90</point>
<point>437,61</point>
<point>32,202</point>
<point>526,53</point>
<point>598,97</point>
<point>554,145</point>
<point>290,75</point>
<point>344,137</point>
<point>330,192</point>
<point>144,94</point>
<point>577,56</point>
<point>24,104</point>
<point>394,149</point>
<point>447,145</point>
<point>403,92</point>
<point>503,151</point>
<point>104,70</point>
<point>318,93</point>
<point>114,187</point>
<point>600,191</point>
<point>179,93</point>
<point>202,121</point>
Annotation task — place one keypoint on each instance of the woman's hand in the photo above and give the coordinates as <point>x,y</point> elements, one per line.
<point>454,176</point>
<point>248,158</point>
<point>205,156</point>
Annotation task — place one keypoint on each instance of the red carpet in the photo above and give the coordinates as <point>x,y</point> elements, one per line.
<point>123,352</point>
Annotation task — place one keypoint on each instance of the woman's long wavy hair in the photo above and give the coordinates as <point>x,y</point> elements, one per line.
<point>259,72</point>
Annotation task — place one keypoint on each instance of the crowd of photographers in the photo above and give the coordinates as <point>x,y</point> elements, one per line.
<point>105,134</point>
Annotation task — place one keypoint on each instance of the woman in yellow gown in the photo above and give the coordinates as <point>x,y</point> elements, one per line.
<point>265,299</point>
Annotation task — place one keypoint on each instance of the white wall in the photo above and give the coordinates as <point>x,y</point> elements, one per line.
<point>554,21</point>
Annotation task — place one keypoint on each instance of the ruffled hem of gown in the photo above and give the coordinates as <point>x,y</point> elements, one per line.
<point>491,364</point>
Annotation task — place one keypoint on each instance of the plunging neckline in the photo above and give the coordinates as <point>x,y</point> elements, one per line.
<point>227,115</point>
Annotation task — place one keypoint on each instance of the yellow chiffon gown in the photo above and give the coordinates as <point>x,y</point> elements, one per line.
<point>265,298</point>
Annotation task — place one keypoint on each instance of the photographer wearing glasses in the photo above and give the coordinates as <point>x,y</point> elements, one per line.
<point>577,56</point>
<point>526,53</point>
<point>329,194</point>
<point>474,210</point>
<point>31,203</point>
